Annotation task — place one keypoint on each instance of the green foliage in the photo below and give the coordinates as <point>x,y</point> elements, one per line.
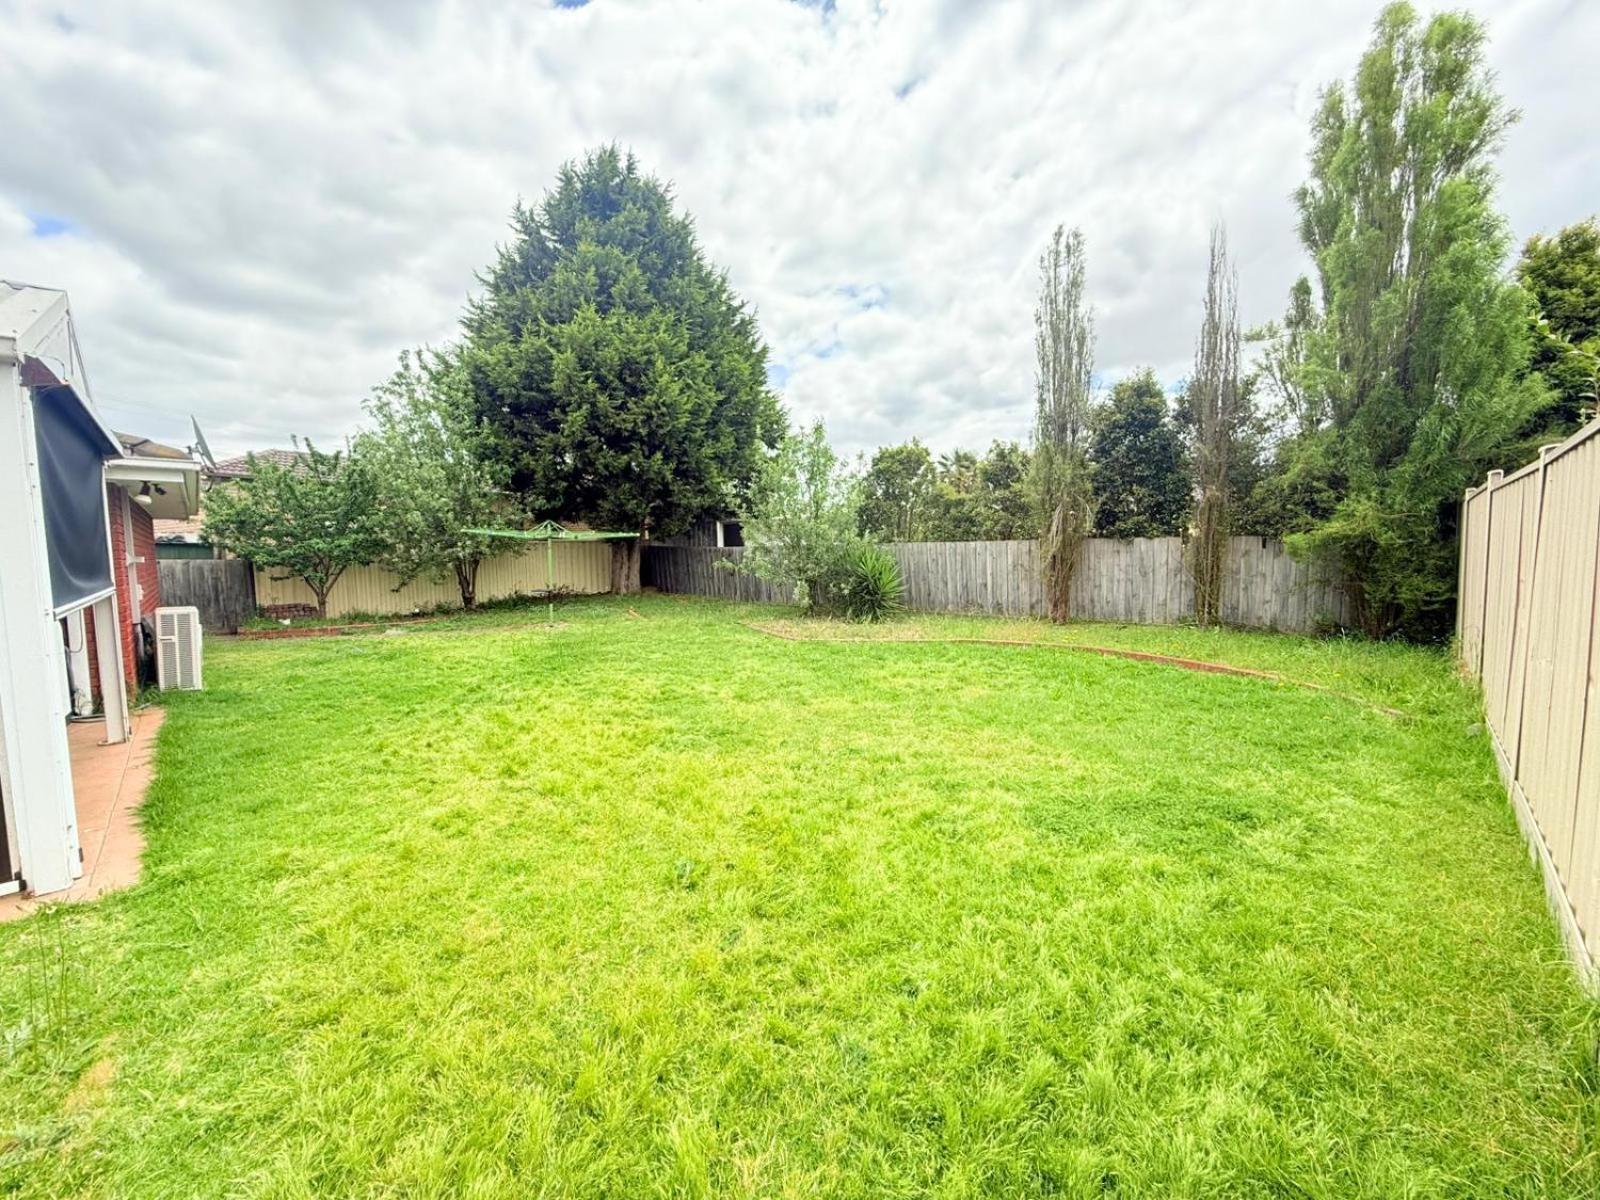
<point>908,496</point>
<point>801,523</point>
<point>311,521</point>
<point>1417,354</point>
<point>436,473</point>
<point>1141,470</point>
<point>625,381</point>
<point>874,589</point>
<point>897,494</point>
<point>1562,275</point>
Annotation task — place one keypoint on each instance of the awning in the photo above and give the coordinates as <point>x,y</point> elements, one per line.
<point>72,450</point>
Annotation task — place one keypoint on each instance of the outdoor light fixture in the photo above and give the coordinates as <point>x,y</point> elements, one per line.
<point>144,497</point>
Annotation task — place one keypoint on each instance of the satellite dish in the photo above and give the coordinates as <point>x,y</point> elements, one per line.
<point>200,445</point>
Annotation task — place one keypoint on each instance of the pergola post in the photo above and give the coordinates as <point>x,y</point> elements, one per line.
<point>35,766</point>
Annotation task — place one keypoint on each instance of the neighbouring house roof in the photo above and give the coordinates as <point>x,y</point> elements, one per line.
<point>181,531</point>
<point>238,467</point>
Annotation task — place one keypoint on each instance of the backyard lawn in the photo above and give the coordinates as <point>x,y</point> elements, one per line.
<point>654,903</point>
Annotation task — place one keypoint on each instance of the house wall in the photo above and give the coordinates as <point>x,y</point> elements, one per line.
<point>126,518</point>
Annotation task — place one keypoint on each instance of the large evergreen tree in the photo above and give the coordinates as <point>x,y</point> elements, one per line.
<point>625,382</point>
<point>1141,473</point>
<point>1562,274</point>
<point>1418,349</point>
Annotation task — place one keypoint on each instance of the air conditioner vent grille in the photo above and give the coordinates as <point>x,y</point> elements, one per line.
<point>178,646</point>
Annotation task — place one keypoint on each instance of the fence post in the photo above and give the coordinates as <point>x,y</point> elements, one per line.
<point>1515,753</point>
<point>1464,533</point>
<point>1488,543</point>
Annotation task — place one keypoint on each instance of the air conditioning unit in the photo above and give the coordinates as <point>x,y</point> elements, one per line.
<point>178,648</point>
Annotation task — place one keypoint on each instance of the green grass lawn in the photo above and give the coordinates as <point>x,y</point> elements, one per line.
<point>654,904</point>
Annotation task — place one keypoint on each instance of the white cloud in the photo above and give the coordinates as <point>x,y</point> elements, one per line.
<point>255,208</point>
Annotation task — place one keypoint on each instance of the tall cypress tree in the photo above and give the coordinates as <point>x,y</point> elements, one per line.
<point>624,380</point>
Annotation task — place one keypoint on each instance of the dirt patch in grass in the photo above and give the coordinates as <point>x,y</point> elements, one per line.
<point>798,632</point>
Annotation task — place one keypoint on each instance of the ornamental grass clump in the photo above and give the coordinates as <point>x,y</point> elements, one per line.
<point>874,589</point>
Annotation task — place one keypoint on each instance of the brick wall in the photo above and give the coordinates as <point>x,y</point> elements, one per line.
<point>122,515</point>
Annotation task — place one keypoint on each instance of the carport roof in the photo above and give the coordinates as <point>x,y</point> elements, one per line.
<point>36,333</point>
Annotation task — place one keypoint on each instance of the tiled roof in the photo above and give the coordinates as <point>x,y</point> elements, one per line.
<point>238,467</point>
<point>179,531</point>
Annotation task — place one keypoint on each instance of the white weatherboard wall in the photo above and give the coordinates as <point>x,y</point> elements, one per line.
<point>1528,627</point>
<point>581,569</point>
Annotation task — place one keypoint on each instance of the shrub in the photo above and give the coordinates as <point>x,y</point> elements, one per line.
<point>800,522</point>
<point>873,589</point>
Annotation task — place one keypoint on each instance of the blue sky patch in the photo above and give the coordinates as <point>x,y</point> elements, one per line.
<point>47,225</point>
<point>872,295</point>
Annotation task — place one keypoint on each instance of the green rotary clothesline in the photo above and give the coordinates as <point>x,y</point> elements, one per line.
<point>550,533</point>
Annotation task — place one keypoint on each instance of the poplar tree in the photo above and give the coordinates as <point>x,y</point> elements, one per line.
<point>1215,403</point>
<point>1064,350</point>
<point>1415,358</point>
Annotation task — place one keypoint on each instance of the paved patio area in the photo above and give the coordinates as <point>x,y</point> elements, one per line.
<point>110,783</point>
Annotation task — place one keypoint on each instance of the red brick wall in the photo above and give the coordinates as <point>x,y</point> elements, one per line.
<point>144,546</point>
<point>121,513</point>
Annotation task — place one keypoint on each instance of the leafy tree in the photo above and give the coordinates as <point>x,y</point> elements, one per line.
<point>802,519</point>
<point>1419,347</point>
<point>1003,492</point>
<point>1064,348</point>
<point>908,496</point>
<point>958,507</point>
<point>312,520</point>
<point>1141,473</point>
<point>625,381</point>
<point>1281,371</point>
<point>1562,274</point>
<point>436,474</point>
<point>898,494</point>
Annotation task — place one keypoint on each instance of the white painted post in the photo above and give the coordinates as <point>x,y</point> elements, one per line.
<point>33,716</point>
<point>113,684</point>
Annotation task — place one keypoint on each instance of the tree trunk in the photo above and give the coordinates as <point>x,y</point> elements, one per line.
<point>467,582</point>
<point>625,556</point>
<point>1061,546</point>
<point>322,601</point>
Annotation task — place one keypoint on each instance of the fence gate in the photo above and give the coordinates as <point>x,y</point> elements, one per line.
<point>223,589</point>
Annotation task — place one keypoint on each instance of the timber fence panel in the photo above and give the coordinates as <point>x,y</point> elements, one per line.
<point>1529,604</point>
<point>223,589</point>
<point>1137,580</point>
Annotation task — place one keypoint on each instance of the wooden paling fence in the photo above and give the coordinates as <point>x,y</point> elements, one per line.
<point>1526,627</point>
<point>1139,580</point>
<point>221,588</point>
<point>695,571</point>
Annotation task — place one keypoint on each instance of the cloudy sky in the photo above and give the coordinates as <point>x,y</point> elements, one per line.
<point>256,207</point>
